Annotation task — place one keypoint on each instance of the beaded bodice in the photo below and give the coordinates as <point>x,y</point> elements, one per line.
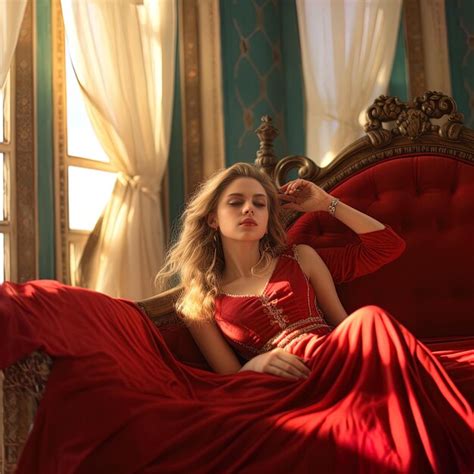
<point>285,311</point>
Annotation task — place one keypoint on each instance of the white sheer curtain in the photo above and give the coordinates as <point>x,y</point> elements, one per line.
<point>123,54</point>
<point>347,49</point>
<point>11,16</point>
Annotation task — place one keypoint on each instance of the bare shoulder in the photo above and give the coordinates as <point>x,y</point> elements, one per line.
<point>308,258</point>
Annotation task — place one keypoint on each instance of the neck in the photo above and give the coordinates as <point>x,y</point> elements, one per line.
<point>239,258</point>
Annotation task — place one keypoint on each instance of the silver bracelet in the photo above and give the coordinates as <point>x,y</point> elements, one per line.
<point>332,206</point>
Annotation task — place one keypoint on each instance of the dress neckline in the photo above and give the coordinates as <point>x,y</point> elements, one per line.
<point>233,295</point>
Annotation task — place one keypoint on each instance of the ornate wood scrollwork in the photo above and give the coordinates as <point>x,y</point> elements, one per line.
<point>266,158</point>
<point>393,128</point>
<point>412,119</point>
<point>29,375</point>
<point>23,388</point>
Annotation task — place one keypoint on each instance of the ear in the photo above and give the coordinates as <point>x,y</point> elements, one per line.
<point>212,220</point>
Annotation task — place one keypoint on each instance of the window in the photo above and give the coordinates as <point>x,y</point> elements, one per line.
<point>7,272</point>
<point>90,177</point>
<point>84,175</point>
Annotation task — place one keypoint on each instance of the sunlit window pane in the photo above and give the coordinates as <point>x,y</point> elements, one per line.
<point>2,258</point>
<point>89,191</point>
<point>2,187</point>
<point>81,138</point>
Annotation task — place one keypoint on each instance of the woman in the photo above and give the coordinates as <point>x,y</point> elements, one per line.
<point>246,291</point>
<point>364,397</point>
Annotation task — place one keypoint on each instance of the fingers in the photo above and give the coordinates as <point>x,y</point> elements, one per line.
<point>287,365</point>
<point>282,372</point>
<point>294,186</point>
<point>294,362</point>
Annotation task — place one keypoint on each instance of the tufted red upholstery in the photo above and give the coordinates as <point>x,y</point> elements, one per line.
<point>429,201</point>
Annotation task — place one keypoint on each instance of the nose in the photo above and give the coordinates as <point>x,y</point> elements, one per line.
<point>248,209</point>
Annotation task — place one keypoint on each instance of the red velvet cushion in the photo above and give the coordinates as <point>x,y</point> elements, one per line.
<point>428,201</point>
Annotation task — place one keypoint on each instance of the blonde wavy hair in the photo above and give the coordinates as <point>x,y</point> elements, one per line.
<point>197,258</point>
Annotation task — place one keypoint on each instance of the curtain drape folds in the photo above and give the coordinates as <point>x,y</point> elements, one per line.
<point>347,53</point>
<point>123,55</point>
<point>11,16</point>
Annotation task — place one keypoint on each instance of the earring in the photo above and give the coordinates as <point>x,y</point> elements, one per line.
<point>215,238</point>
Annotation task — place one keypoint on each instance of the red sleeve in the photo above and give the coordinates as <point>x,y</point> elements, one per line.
<point>366,254</point>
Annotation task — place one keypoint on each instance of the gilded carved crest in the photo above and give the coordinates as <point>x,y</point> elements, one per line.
<point>389,116</point>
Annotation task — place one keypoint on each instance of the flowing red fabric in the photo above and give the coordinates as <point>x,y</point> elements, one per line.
<point>117,401</point>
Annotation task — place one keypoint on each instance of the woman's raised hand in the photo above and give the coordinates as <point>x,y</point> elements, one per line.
<point>278,362</point>
<point>304,196</point>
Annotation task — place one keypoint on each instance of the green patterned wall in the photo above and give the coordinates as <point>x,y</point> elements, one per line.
<point>460,23</point>
<point>261,73</point>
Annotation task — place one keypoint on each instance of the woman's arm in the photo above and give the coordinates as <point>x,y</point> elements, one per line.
<point>322,283</point>
<point>214,347</point>
<point>223,360</point>
<point>376,246</point>
<point>305,196</point>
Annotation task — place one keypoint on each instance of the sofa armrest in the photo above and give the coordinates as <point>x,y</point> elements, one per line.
<point>23,386</point>
<point>160,308</point>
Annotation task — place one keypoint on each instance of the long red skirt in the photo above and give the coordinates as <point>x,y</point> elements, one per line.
<point>118,402</point>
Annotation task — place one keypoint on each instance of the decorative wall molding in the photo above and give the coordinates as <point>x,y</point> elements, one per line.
<point>25,152</point>
<point>210,68</point>
<point>60,143</point>
<point>414,47</point>
<point>190,93</point>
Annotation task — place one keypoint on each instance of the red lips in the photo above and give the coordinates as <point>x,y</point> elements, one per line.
<point>248,221</point>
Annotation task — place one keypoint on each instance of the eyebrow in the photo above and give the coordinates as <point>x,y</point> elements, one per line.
<point>241,195</point>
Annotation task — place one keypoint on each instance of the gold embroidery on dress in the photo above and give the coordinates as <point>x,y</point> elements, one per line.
<point>299,328</point>
<point>276,314</point>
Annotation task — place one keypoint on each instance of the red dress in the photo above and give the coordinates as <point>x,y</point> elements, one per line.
<point>376,390</point>
<point>117,401</point>
<point>282,316</point>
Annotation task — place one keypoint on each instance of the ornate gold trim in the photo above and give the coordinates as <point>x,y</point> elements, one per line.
<point>60,143</point>
<point>414,44</point>
<point>25,163</point>
<point>210,75</point>
<point>190,94</point>
<point>23,388</point>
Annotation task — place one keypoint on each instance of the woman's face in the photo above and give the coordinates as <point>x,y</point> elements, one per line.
<point>242,211</point>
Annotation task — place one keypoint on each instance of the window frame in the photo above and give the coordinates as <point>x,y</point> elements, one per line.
<point>7,149</point>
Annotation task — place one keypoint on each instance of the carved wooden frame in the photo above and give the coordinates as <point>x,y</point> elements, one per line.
<point>393,128</point>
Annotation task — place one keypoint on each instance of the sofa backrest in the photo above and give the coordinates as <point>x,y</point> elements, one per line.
<point>429,201</point>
